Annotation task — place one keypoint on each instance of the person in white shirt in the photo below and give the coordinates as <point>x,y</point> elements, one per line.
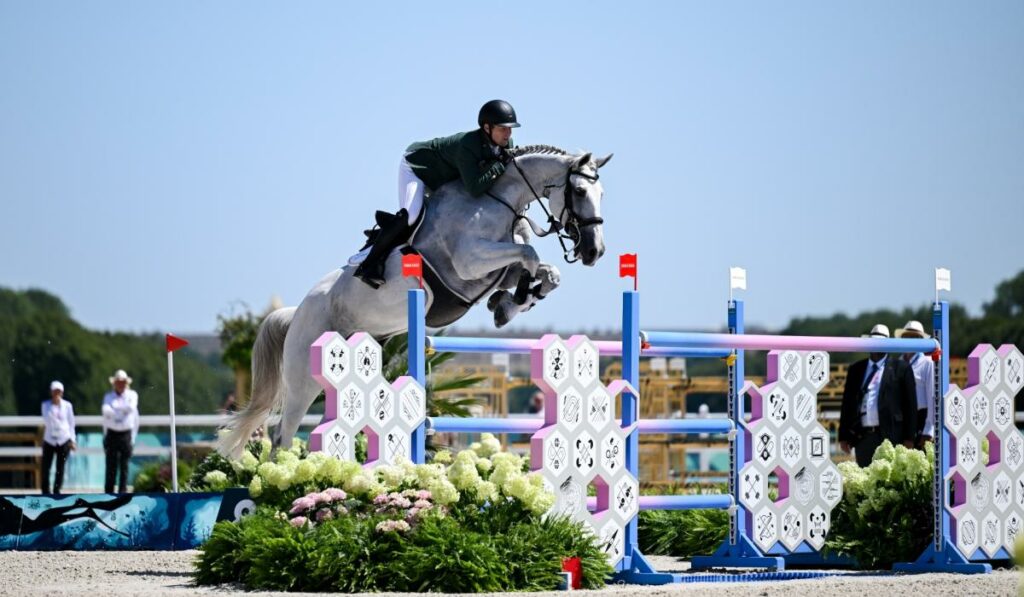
<point>924,380</point>
<point>120,426</point>
<point>58,436</point>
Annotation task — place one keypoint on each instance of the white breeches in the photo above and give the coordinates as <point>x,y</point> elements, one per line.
<point>410,191</point>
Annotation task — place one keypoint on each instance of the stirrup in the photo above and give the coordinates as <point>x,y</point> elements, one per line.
<point>371,282</point>
<point>367,279</point>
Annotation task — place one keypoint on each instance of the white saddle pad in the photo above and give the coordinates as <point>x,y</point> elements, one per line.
<point>359,257</point>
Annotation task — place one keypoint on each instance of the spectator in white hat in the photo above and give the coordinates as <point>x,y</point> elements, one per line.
<point>924,381</point>
<point>120,426</point>
<point>879,403</point>
<point>58,436</point>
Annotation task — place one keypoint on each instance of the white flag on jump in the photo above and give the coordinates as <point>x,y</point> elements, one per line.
<point>943,280</point>
<point>737,278</point>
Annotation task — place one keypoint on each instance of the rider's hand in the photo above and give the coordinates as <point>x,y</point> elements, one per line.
<point>504,155</point>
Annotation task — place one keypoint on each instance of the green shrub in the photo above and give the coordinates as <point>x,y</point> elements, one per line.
<point>444,556</point>
<point>885,515</point>
<point>469,523</point>
<point>351,554</point>
<point>682,533</point>
<point>220,562</point>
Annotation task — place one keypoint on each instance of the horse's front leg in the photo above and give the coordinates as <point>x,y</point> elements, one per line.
<point>529,290</point>
<point>475,259</point>
<point>514,274</point>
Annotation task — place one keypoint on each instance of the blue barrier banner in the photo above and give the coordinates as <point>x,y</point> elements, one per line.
<point>143,521</point>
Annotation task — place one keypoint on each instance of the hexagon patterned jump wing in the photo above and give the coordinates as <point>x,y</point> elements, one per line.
<point>987,503</point>
<point>360,399</point>
<point>784,439</point>
<point>581,443</point>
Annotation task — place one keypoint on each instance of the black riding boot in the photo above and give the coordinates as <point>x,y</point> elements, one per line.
<point>390,235</point>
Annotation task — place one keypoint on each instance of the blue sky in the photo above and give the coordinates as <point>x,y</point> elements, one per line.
<point>160,162</point>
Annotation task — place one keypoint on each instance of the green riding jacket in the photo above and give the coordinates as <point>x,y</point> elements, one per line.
<point>468,156</point>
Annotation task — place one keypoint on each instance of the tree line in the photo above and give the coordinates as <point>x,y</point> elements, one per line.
<point>40,342</point>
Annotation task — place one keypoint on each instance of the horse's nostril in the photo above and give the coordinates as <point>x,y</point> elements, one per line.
<point>591,254</point>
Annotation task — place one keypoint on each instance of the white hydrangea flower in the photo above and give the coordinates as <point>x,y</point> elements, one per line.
<point>390,476</point>
<point>487,446</point>
<point>256,487</point>
<point>216,480</point>
<point>304,472</point>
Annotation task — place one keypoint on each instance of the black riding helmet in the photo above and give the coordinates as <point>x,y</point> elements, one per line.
<point>497,113</point>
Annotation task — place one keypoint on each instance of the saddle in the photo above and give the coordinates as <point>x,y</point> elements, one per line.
<point>446,306</point>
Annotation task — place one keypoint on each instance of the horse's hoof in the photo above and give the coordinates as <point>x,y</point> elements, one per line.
<point>494,300</point>
<point>501,318</point>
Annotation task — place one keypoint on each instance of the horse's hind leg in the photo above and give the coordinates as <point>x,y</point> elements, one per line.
<point>300,389</point>
<point>300,392</point>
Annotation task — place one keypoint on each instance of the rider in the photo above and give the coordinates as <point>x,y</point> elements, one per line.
<point>478,158</point>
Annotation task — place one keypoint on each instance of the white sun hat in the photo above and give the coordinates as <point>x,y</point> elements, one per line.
<point>879,331</point>
<point>120,375</point>
<point>912,327</point>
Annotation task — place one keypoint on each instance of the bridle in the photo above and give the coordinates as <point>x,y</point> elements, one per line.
<point>573,221</point>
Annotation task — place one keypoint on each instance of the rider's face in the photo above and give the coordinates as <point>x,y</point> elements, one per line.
<point>500,135</point>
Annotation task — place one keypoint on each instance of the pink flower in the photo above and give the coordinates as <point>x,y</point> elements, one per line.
<point>401,502</point>
<point>320,497</point>
<point>423,504</point>
<point>380,500</point>
<point>335,494</point>
<point>423,494</point>
<point>298,521</point>
<point>301,505</point>
<point>413,512</point>
<point>324,514</point>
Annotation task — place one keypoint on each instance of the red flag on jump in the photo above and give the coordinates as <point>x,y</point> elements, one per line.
<point>627,267</point>
<point>174,343</point>
<point>412,267</point>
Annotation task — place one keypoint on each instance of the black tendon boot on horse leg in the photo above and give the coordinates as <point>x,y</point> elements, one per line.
<point>391,234</point>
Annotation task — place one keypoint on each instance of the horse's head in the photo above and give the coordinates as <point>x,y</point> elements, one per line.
<point>579,207</point>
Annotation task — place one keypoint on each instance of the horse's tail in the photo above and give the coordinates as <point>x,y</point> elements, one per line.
<point>267,358</point>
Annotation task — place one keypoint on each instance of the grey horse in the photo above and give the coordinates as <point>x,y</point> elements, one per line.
<point>471,247</point>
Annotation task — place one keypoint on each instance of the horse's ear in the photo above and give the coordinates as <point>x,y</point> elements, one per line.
<point>602,161</point>
<point>583,159</point>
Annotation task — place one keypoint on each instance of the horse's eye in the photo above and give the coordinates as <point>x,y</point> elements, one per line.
<point>580,191</point>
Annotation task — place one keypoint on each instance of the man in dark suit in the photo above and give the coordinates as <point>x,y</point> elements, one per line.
<point>879,403</point>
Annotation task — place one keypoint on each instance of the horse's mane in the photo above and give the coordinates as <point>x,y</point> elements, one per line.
<point>537,149</point>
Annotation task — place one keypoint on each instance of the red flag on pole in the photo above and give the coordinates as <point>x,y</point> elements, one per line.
<point>412,267</point>
<point>174,343</point>
<point>627,267</point>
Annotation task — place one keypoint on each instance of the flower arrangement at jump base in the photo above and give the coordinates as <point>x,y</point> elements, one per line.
<point>886,512</point>
<point>469,522</point>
